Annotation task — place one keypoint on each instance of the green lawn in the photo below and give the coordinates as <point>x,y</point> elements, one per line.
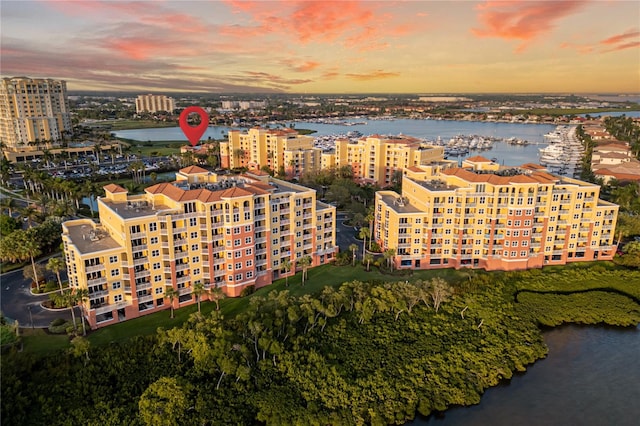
<point>38,342</point>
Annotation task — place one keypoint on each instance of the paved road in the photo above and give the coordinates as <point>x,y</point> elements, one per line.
<point>16,299</point>
<point>345,235</point>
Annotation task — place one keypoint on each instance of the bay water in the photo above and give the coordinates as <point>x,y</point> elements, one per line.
<point>591,377</point>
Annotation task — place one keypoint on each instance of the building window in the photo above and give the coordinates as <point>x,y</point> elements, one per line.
<point>247,240</point>
<point>523,253</point>
<point>194,235</point>
<point>247,215</point>
<point>238,277</point>
<point>153,226</point>
<point>196,271</point>
<point>113,259</point>
<point>194,247</point>
<point>248,252</point>
<point>115,272</point>
<point>249,263</point>
<point>250,274</point>
<point>153,240</point>
<point>230,278</point>
<point>117,298</point>
<point>193,221</point>
<point>156,265</point>
<point>157,278</point>
<point>236,230</point>
<point>195,259</point>
<point>236,242</point>
<point>159,290</point>
<point>155,253</point>
<point>116,285</point>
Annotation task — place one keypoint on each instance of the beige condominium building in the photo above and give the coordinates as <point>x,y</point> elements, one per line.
<point>226,232</point>
<point>497,220</point>
<point>154,103</point>
<point>281,150</point>
<point>374,159</point>
<point>34,114</point>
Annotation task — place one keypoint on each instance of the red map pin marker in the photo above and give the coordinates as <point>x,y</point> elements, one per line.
<point>194,133</point>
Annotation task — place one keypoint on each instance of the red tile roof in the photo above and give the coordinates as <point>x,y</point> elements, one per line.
<point>113,188</point>
<point>479,159</point>
<point>193,169</point>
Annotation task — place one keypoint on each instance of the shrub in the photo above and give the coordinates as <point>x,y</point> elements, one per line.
<point>56,322</point>
<point>59,329</point>
<point>247,290</point>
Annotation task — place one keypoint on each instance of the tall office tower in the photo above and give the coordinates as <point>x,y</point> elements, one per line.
<point>34,113</point>
<point>497,221</point>
<point>374,159</point>
<point>226,232</point>
<point>154,103</point>
<point>281,150</point>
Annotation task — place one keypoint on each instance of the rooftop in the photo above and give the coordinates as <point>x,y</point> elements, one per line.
<point>397,203</point>
<point>89,239</point>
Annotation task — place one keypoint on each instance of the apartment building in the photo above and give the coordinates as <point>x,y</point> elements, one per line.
<point>226,232</point>
<point>514,219</point>
<point>375,159</point>
<point>154,103</point>
<point>34,113</point>
<point>281,150</point>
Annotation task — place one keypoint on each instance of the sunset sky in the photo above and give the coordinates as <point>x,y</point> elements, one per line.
<point>326,46</point>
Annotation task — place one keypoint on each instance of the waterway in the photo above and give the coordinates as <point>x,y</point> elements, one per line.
<point>506,154</point>
<point>591,377</point>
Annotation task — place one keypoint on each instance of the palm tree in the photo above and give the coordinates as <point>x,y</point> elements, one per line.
<point>171,294</point>
<point>30,249</point>
<point>286,265</point>
<point>198,289</point>
<point>388,256</point>
<point>304,262</point>
<point>216,294</point>
<point>9,204</point>
<point>364,233</point>
<point>55,265</point>
<point>31,214</point>
<point>370,217</point>
<point>353,248</point>
<point>80,297</point>
<point>368,258</point>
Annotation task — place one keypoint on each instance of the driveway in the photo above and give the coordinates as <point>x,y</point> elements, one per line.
<point>16,300</point>
<point>345,235</point>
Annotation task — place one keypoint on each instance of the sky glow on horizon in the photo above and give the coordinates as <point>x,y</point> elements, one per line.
<point>326,46</point>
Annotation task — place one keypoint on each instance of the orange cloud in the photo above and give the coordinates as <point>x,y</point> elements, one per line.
<point>610,44</point>
<point>515,20</point>
<point>620,37</point>
<point>352,24</point>
<point>375,75</point>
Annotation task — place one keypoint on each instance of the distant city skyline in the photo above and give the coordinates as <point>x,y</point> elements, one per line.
<point>326,46</point>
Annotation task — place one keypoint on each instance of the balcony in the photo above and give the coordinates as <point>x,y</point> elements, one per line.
<point>182,267</point>
<point>181,254</point>
<point>143,286</point>
<point>95,268</point>
<point>104,309</point>
<point>97,281</point>
<point>140,247</point>
<point>140,261</point>
<point>136,235</point>
<point>145,299</point>
<point>182,280</point>
<point>285,211</point>
<point>185,290</point>
<point>260,217</point>
<point>143,273</point>
<point>98,294</point>
<point>261,251</point>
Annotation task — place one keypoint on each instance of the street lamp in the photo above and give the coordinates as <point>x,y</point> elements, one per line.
<point>30,317</point>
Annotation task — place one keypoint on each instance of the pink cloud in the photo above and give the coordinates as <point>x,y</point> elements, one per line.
<point>525,21</point>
